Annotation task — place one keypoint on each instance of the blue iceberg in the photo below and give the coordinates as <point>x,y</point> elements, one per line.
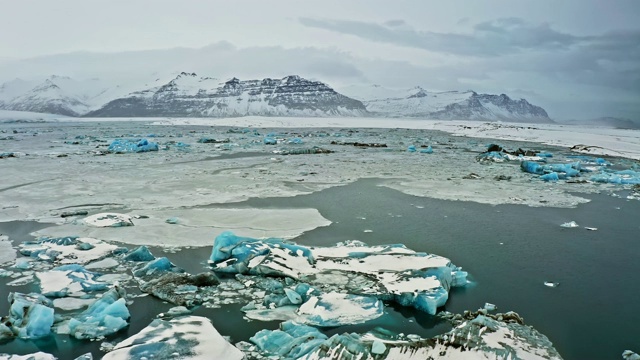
<point>386,272</point>
<point>108,315</point>
<point>132,146</point>
<point>30,316</point>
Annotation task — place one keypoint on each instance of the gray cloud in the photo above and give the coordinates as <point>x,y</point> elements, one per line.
<point>488,39</point>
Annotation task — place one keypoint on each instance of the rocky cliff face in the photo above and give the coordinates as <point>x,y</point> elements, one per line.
<point>191,96</point>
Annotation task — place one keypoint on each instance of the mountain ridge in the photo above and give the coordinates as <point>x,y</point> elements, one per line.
<point>189,95</point>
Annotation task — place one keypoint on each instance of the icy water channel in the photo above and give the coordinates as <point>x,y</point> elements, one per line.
<point>509,250</point>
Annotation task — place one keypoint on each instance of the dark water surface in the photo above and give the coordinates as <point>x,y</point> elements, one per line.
<point>591,315</point>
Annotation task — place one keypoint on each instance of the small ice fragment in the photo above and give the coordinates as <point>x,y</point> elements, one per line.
<point>551,284</point>
<point>172,220</point>
<point>490,306</point>
<point>368,231</point>
<point>630,355</point>
<point>571,224</point>
<point>378,347</point>
<point>591,228</point>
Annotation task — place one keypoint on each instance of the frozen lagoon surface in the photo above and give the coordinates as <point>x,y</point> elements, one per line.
<point>505,233</point>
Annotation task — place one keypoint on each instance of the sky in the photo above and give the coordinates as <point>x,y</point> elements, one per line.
<point>576,58</point>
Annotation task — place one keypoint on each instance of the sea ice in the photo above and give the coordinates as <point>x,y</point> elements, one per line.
<point>109,220</point>
<point>189,337</point>
<point>7,253</point>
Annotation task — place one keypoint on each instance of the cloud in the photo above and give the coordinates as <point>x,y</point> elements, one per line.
<point>487,39</point>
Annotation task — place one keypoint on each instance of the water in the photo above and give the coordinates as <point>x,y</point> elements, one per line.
<point>590,315</point>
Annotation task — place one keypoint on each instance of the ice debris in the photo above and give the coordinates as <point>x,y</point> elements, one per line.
<point>630,355</point>
<point>67,250</point>
<point>326,310</point>
<point>570,224</point>
<point>109,220</point>
<point>551,284</point>
<point>388,272</point>
<point>30,316</point>
<point>69,280</point>
<point>140,253</point>
<point>474,336</point>
<point>108,315</point>
<point>120,146</point>
<point>190,337</point>
<point>35,356</point>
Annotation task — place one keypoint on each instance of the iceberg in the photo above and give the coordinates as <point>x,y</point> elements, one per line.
<point>388,272</point>
<point>121,146</point>
<point>189,337</point>
<point>107,315</point>
<point>30,316</point>
<point>139,254</point>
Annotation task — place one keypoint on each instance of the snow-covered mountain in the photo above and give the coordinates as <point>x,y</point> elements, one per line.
<point>63,95</point>
<point>448,105</point>
<point>189,95</point>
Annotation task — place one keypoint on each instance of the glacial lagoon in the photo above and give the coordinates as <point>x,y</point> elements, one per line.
<point>357,193</point>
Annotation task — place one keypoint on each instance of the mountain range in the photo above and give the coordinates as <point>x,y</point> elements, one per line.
<point>190,95</point>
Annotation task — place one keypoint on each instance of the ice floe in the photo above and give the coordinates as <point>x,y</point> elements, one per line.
<point>390,272</point>
<point>196,225</point>
<point>190,337</point>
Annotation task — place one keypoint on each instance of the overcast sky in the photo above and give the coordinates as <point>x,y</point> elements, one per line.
<point>576,58</point>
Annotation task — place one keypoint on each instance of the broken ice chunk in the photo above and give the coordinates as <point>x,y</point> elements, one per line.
<point>189,337</point>
<point>630,355</point>
<point>551,284</point>
<point>390,272</point>
<point>140,253</point>
<point>30,316</point>
<point>69,280</point>
<point>109,220</point>
<point>570,224</point>
<point>336,309</point>
<point>490,307</point>
<point>35,356</point>
<point>105,316</point>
